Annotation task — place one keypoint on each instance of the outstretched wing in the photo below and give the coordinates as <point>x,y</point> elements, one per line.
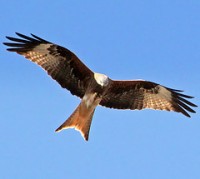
<point>144,94</point>
<point>60,63</point>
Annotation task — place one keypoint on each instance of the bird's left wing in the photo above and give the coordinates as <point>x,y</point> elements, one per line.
<point>60,63</point>
<point>144,94</point>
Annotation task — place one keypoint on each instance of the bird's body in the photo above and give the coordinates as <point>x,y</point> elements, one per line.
<point>82,117</point>
<point>94,88</point>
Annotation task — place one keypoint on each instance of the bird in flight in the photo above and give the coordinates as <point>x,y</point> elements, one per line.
<point>94,88</point>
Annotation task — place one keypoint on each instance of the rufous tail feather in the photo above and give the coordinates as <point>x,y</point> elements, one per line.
<point>80,119</point>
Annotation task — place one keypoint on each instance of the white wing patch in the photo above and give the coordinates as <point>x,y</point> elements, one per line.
<point>165,93</point>
<point>42,48</point>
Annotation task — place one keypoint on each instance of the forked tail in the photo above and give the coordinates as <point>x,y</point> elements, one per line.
<point>80,119</point>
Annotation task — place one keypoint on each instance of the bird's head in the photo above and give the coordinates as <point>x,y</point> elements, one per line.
<point>101,79</point>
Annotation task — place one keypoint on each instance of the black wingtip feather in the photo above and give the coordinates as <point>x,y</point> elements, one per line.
<point>16,39</point>
<point>182,105</point>
<point>38,38</point>
<point>25,37</point>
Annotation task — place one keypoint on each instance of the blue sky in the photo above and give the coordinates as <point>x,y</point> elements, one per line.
<point>153,40</point>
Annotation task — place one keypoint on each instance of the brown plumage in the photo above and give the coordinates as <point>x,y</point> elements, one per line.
<point>93,88</point>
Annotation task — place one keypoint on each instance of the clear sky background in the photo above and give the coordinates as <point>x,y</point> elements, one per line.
<point>131,39</point>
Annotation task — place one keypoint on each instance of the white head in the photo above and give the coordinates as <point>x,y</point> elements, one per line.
<point>101,79</point>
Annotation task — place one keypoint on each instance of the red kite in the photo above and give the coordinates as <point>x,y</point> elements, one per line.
<point>94,88</point>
